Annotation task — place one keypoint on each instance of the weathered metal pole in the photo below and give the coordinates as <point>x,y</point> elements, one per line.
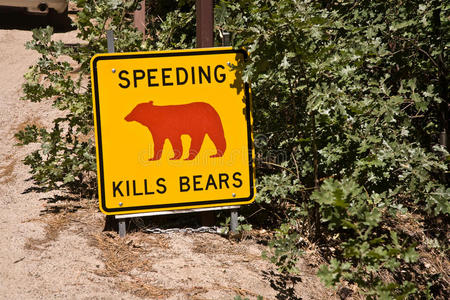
<point>110,41</point>
<point>122,224</point>
<point>139,18</point>
<point>205,23</point>
<point>234,221</point>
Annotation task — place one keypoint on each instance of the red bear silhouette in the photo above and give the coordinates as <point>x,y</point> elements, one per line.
<point>170,122</point>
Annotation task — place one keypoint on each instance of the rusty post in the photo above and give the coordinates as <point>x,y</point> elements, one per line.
<point>139,18</point>
<point>205,23</point>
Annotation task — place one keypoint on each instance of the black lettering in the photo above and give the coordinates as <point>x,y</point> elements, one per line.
<point>196,182</point>
<point>116,188</point>
<point>222,76</point>
<point>181,82</point>
<point>134,189</point>
<point>166,76</point>
<point>210,182</point>
<point>235,177</point>
<point>136,77</point>
<point>150,77</point>
<point>184,181</point>
<point>223,178</point>
<point>146,188</point>
<point>128,188</point>
<point>193,75</point>
<point>124,86</point>
<point>161,185</point>
<point>206,75</point>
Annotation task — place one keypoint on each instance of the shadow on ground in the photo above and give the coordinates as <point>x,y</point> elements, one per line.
<point>283,284</point>
<point>21,20</point>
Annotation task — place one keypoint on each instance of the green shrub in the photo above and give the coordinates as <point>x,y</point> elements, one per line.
<point>66,157</point>
<point>352,94</point>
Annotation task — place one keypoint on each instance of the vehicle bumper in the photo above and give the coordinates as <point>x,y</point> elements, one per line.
<point>36,6</point>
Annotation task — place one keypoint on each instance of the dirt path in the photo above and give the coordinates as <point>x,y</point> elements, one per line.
<point>62,270</point>
<point>67,256</point>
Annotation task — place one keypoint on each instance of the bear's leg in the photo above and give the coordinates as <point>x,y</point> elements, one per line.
<point>196,144</point>
<point>177,147</point>
<point>158,145</point>
<point>219,141</point>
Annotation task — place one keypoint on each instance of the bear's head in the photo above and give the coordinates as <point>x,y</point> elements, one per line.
<point>140,112</point>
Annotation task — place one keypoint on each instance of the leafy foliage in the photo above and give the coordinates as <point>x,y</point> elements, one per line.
<point>286,248</point>
<point>366,246</point>
<point>354,94</point>
<point>66,158</point>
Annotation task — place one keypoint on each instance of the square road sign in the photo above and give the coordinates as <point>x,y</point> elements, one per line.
<point>173,130</point>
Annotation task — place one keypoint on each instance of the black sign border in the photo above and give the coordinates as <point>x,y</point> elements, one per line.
<point>182,205</point>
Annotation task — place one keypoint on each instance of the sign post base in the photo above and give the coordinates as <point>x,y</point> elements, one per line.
<point>233,222</point>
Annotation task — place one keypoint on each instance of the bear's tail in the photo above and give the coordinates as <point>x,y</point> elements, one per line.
<point>218,138</point>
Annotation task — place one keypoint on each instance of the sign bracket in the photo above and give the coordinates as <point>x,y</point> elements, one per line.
<point>233,223</point>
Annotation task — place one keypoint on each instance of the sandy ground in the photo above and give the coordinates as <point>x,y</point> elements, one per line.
<point>67,256</point>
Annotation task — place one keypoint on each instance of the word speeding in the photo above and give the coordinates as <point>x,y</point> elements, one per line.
<point>154,77</point>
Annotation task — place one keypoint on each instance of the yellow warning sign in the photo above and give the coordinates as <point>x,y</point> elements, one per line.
<point>173,130</point>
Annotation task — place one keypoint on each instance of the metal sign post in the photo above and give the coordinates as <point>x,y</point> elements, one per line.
<point>234,221</point>
<point>110,44</point>
<point>139,18</point>
<point>205,23</point>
